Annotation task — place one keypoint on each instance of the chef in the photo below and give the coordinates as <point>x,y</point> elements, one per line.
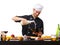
<point>32,25</point>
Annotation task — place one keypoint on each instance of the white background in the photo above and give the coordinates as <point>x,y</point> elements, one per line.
<point>10,8</point>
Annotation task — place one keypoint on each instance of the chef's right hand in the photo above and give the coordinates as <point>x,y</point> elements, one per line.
<point>24,22</point>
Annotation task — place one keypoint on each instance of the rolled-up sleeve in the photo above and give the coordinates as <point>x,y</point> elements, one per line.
<point>25,16</point>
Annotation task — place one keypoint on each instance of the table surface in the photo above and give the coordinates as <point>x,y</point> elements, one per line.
<point>30,42</point>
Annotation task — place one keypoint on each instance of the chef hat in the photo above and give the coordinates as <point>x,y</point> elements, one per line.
<point>38,7</point>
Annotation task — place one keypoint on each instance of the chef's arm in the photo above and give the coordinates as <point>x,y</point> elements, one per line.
<point>15,18</point>
<point>23,21</point>
<point>40,32</point>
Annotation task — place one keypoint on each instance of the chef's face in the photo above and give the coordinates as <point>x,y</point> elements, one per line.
<point>36,13</point>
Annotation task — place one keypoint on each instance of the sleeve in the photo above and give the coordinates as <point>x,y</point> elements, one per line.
<point>25,16</point>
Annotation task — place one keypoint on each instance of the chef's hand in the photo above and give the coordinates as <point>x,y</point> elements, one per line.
<point>39,34</point>
<point>24,21</point>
